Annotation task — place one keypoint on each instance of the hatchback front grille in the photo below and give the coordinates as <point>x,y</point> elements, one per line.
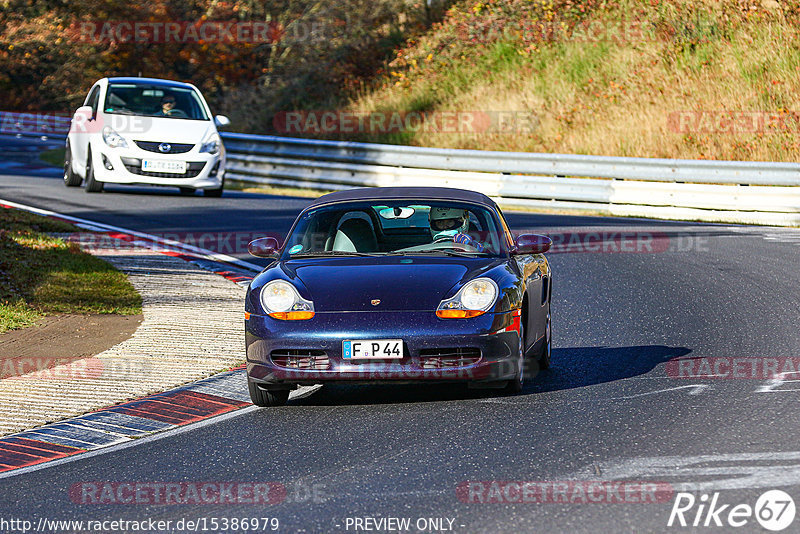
<point>312,360</point>
<point>448,357</point>
<point>174,148</point>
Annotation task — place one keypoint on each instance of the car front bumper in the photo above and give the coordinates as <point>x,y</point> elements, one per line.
<point>480,349</point>
<point>204,171</point>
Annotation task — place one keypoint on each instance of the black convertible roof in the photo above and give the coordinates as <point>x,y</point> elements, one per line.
<point>404,193</point>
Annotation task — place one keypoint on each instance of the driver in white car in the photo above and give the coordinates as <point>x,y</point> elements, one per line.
<point>451,224</point>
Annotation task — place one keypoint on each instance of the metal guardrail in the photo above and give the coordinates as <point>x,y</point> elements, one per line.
<point>723,191</point>
<point>650,169</point>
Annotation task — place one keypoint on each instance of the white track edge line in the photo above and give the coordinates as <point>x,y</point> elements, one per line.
<point>207,254</point>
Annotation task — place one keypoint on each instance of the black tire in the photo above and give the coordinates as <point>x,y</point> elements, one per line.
<point>516,384</point>
<point>216,193</point>
<point>267,397</point>
<point>70,178</point>
<point>186,191</point>
<point>544,355</point>
<point>92,185</point>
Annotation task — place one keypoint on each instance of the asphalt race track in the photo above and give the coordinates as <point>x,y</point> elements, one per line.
<point>609,408</point>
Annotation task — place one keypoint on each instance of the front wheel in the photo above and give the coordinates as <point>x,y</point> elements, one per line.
<point>267,397</point>
<point>92,185</point>
<point>216,193</point>
<point>516,384</point>
<point>70,178</point>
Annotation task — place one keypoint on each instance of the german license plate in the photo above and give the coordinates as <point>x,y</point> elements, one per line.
<point>160,165</point>
<point>372,349</point>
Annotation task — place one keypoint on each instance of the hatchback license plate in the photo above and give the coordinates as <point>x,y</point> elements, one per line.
<point>160,165</point>
<point>372,349</point>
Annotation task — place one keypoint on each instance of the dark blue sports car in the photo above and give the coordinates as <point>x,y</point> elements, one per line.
<point>398,285</point>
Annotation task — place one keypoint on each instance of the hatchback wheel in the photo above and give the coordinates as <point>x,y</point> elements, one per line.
<point>70,178</point>
<point>216,193</point>
<point>92,185</point>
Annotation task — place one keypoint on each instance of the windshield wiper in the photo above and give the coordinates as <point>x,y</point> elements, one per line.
<point>329,253</point>
<point>447,252</point>
<point>463,253</point>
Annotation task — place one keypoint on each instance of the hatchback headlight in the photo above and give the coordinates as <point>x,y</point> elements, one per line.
<point>113,139</point>
<point>475,298</point>
<point>211,145</point>
<point>281,300</point>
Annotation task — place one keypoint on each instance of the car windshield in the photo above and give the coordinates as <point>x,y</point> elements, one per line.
<point>397,228</point>
<point>154,101</point>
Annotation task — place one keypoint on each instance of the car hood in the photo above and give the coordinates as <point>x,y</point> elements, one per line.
<point>162,129</point>
<point>402,283</point>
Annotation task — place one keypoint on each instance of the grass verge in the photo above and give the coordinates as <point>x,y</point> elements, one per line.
<point>41,274</point>
<point>274,189</point>
<point>54,157</point>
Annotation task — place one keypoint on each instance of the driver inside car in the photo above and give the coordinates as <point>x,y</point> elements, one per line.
<point>451,224</point>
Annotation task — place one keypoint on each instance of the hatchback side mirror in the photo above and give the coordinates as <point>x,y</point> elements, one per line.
<point>532,244</point>
<point>221,121</point>
<point>86,112</point>
<point>264,247</point>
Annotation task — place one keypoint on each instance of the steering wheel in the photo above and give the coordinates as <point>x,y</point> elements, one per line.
<point>443,238</point>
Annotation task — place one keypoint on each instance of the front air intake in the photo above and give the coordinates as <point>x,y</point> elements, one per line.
<point>448,358</point>
<point>301,359</point>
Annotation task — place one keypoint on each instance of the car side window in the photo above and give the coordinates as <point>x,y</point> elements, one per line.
<point>93,99</point>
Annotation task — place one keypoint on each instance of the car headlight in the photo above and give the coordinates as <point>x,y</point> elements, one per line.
<point>211,145</point>
<point>113,139</point>
<point>475,298</point>
<point>282,301</point>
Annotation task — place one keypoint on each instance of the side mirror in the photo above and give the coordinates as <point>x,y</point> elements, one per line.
<point>264,247</point>
<point>85,111</point>
<point>83,121</point>
<point>532,244</point>
<point>221,121</point>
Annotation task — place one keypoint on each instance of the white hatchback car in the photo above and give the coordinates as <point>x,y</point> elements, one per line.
<point>145,131</point>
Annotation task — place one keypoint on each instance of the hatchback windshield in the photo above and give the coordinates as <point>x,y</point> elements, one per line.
<point>395,228</point>
<point>154,101</point>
